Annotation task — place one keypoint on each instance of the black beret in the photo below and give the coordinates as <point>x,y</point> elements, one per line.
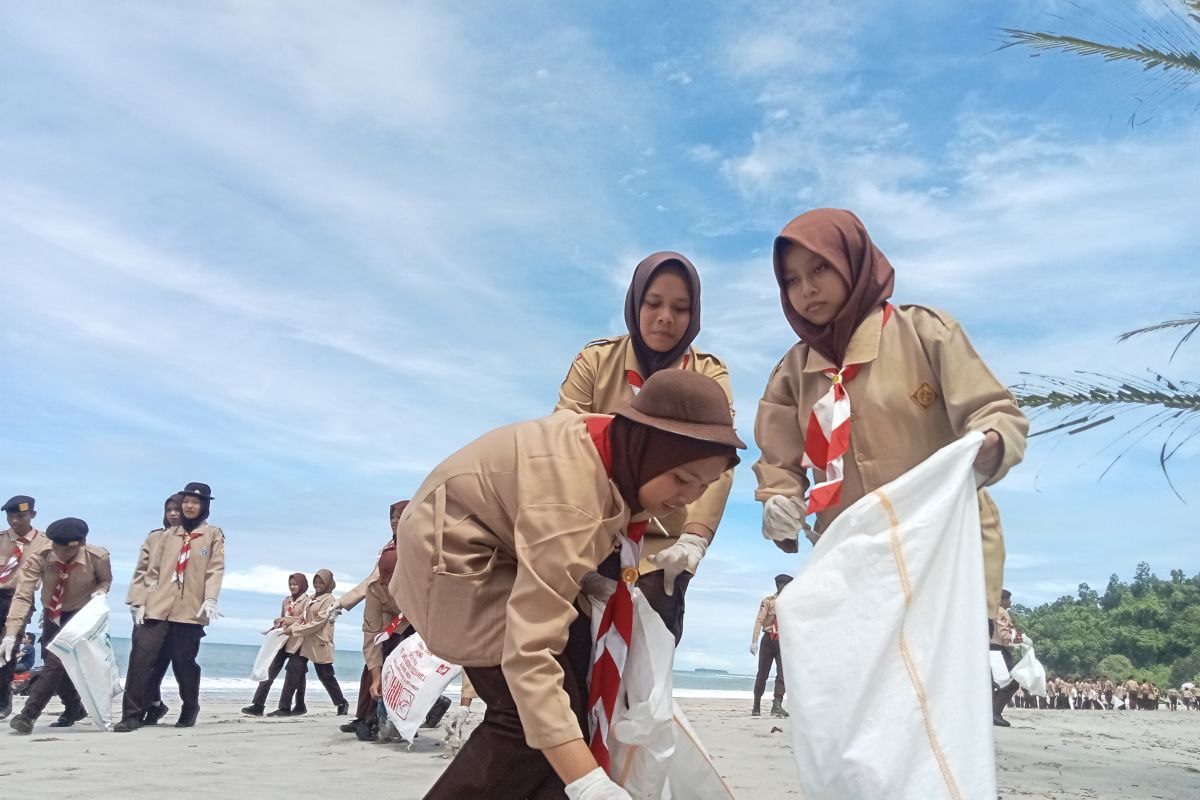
<point>66,530</point>
<point>783,579</point>
<point>21,502</point>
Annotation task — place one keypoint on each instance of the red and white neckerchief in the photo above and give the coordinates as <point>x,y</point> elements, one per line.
<point>14,558</point>
<point>616,624</point>
<point>828,436</point>
<point>184,554</point>
<point>636,380</point>
<point>64,571</point>
<point>386,633</point>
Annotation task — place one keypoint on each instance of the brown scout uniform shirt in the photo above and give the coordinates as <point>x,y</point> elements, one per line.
<point>766,620</point>
<point>201,578</point>
<point>91,573</point>
<point>378,613</point>
<point>1003,634</point>
<point>316,635</point>
<point>296,607</point>
<point>921,386</point>
<point>8,540</point>
<point>138,588</point>
<point>597,383</point>
<point>491,552</point>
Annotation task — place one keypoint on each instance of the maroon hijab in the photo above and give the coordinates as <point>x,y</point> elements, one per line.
<point>301,579</point>
<point>842,241</point>
<point>650,360</point>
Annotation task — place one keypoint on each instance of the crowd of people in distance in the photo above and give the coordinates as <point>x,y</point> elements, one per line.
<point>1102,694</point>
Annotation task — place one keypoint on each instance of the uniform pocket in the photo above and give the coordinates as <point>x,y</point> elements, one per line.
<point>466,613</point>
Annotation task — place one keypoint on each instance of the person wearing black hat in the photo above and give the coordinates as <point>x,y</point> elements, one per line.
<point>18,543</point>
<point>71,572</point>
<point>183,583</point>
<point>495,549</point>
<point>768,651</point>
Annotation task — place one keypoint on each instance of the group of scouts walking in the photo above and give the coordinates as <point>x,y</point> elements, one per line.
<point>496,555</point>
<point>1102,694</point>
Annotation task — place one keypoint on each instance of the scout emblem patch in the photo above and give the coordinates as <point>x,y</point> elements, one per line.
<point>203,551</point>
<point>924,396</point>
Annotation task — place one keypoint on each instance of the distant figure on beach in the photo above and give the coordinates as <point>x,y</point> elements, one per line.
<point>1003,636</point>
<point>767,651</point>
<point>494,553</point>
<point>315,631</point>
<point>18,543</point>
<point>135,598</point>
<point>290,612</point>
<point>662,316</point>
<point>183,585</point>
<point>70,574</point>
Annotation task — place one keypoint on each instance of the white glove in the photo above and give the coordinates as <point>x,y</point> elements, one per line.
<point>99,593</point>
<point>596,786</point>
<point>596,585</point>
<point>334,612</point>
<point>209,610</point>
<point>682,556</point>
<point>139,614</point>
<point>783,518</point>
<point>754,648</point>
<point>6,649</point>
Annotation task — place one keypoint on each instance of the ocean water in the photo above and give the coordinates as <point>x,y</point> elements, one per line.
<point>225,675</point>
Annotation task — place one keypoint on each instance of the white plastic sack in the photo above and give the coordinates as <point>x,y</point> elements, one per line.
<point>273,642</point>
<point>413,679</point>
<point>86,652</point>
<point>885,627</point>
<point>1000,674</point>
<point>1029,672</point>
<point>654,753</point>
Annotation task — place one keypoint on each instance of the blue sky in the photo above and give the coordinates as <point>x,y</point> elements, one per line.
<point>302,251</point>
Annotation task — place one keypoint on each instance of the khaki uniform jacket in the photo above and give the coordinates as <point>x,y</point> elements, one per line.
<point>491,552</point>
<point>921,386</point>
<point>92,573</point>
<point>356,595</point>
<point>1003,633</point>
<point>290,612</point>
<point>766,622</point>
<point>8,540</point>
<point>201,578</point>
<point>138,587</point>
<point>316,635</point>
<point>378,613</point>
<point>597,383</point>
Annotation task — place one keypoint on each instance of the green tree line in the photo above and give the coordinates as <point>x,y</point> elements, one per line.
<point>1149,628</point>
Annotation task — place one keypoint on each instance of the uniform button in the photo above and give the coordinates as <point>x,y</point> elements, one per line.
<point>858,457</point>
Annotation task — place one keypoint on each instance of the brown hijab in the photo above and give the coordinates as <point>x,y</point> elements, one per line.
<point>641,453</point>
<point>326,576</point>
<point>173,499</point>
<point>301,579</point>
<point>651,360</point>
<point>387,563</point>
<point>842,241</point>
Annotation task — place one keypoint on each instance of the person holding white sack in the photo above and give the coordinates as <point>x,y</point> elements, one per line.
<point>290,612</point>
<point>870,391</point>
<point>315,631</point>
<point>71,573</point>
<point>495,548</point>
<point>185,582</point>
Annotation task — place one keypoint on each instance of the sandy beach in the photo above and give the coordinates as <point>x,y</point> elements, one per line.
<point>1044,755</point>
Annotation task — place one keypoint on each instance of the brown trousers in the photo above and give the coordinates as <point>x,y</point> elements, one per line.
<point>496,763</point>
<point>53,678</point>
<point>768,654</point>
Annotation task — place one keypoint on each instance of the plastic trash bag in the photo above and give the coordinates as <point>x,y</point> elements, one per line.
<point>1029,672</point>
<point>273,642</point>
<point>412,681</point>
<point>86,652</point>
<point>655,754</point>
<point>891,604</point>
<point>1000,674</point>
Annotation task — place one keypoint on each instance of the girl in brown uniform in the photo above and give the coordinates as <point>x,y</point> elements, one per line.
<point>315,631</point>
<point>290,612</point>
<point>494,547</point>
<point>662,313</point>
<point>914,383</point>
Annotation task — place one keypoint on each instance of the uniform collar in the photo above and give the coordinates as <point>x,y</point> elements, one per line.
<point>11,534</point>
<point>631,362</point>
<point>80,556</point>
<point>863,347</point>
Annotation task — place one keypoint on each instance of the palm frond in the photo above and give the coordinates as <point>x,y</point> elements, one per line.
<point>1192,321</point>
<point>1151,58</point>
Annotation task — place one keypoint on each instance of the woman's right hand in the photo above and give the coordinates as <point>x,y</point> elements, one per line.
<point>783,518</point>
<point>596,786</point>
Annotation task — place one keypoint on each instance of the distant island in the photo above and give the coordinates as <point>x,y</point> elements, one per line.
<point>706,671</point>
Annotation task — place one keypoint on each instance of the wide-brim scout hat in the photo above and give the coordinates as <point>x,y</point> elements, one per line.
<point>69,529</point>
<point>21,502</point>
<point>200,490</point>
<point>685,403</point>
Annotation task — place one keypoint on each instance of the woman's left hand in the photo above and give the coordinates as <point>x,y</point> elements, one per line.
<point>990,455</point>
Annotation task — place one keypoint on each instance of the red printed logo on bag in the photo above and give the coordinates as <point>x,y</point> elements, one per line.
<point>443,669</point>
